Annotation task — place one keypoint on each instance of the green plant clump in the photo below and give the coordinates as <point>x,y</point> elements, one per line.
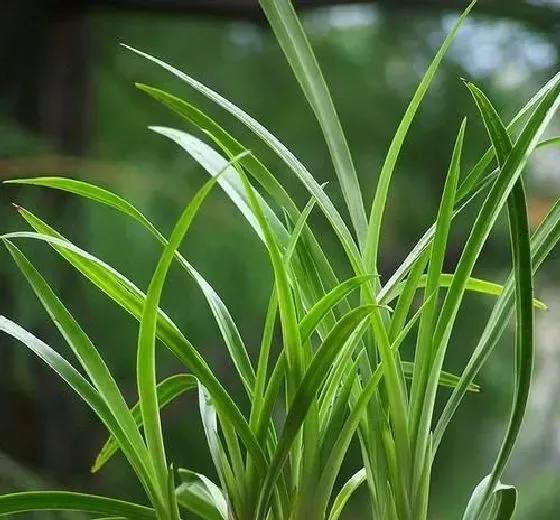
<point>339,376</point>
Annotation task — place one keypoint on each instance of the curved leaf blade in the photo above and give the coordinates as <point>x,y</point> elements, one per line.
<point>167,390</point>
<point>146,370</point>
<point>80,385</point>
<point>508,175</point>
<point>353,483</point>
<point>476,285</point>
<point>87,355</point>
<point>224,320</point>
<point>286,307</point>
<point>446,379</point>
<point>282,151</point>
<point>123,292</point>
<point>198,494</point>
<point>314,376</point>
<point>380,199</point>
<point>293,41</point>
<point>521,252</point>
<point>26,501</point>
<point>310,321</point>
<point>425,352</point>
<point>545,238</point>
<point>501,506</point>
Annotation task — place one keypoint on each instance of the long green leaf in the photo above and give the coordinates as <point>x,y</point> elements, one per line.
<point>80,385</point>
<point>471,186</point>
<point>501,506</point>
<point>521,252</point>
<point>86,354</point>
<point>89,358</point>
<point>270,396</point>
<point>337,378</point>
<point>551,141</point>
<point>282,151</point>
<point>167,390</point>
<point>299,226</point>
<point>380,199</point>
<point>209,418</point>
<point>291,37</point>
<point>288,318</point>
<point>200,495</point>
<point>332,420</point>
<point>307,390</point>
<point>264,354</point>
<point>146,371</point>
<point>353,483</point>
<point>127,295</point>
<point>406,297</point>
<point>27,501</point>
<point>424,353</point>
<point>543,241</point>
<point>309,322</point>
<point>476,285</point>
<point>228,329</point>
<point>237,486</point>
<point>446,379</point>
<point>507,177</point>
<point>470,182</point>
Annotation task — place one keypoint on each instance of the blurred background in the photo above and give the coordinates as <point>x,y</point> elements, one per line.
<point>68,107</point>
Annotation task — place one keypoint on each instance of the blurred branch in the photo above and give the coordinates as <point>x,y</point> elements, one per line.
<point>63,165</point>
<point>92,170</point>
<point>545,18</point>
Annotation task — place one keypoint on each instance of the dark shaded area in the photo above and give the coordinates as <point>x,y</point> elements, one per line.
<point>540,17</point>
<point>45,85</point>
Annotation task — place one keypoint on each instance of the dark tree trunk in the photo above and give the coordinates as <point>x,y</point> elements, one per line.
<point>44,91</point>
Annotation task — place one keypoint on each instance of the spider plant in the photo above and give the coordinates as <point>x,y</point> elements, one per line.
<point>339,375</point>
